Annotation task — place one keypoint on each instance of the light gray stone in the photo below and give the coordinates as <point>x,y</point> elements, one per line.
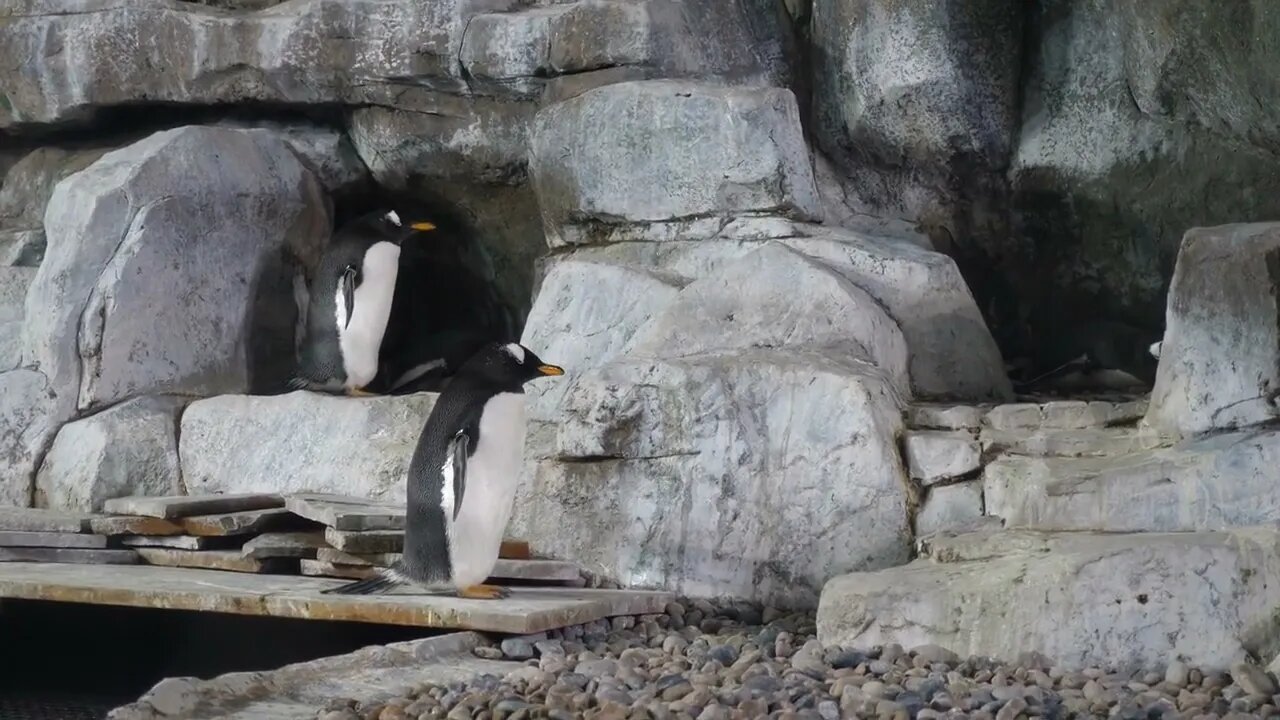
<point>724,151</point>
<point>328,153</point>
<point>14,282</point>
<point>27,426</point>
<point>950,507</point>
<point>713,474</point>
<point>936,416</point>
<point>302,442</point>
<point>37,520</point>
<point>22,248</point>
<point>1080,599</point>
<point>129,449</point>
<point>934,456</point>
<point>284,545</point>
<point>344,512</point>
<point>174,542</point>
<point>76,556</point>
<point>1252,679</point>
<point>238,522</point>
<point>1214,483</point>
<point>24,196</point>
<point>367,541</point>
<point>1089,442</point>
<point>1208,320</point>
<point>577,319</point>
<point>952,354</point>
<point>794,300</point>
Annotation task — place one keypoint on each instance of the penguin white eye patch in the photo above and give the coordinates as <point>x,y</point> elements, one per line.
<point>394,217</point>
<point>515,351</point>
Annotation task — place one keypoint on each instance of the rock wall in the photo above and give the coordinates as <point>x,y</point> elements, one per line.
<point>755,233</point>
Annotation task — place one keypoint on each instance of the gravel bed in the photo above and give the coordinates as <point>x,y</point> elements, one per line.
<point>703,662</point>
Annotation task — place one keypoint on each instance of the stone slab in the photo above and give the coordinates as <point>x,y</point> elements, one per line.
<point>515,550</point>
<point>950,507</point>
<point>176,542</point>
<point>370,541</point>
<point>68,556</point>
<point>1114,600</point>
<point>939,416</point>
<point>345,512</point>
<point>51,540</point>
<point>1085,442</point>
<point>304,690</point>
<point>934,456</point>
<point>227,560</point>
<point>284,545</point>
<point>528,610</point>
<point>505,568</point>
<point>244,522</point>
<point>133,525</point>
<point>180,506</point>
<point>35,520</point>
<point>321,568</point>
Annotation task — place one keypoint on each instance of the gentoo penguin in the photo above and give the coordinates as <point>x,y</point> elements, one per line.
<point>351,303</point>
<point>462,478</point>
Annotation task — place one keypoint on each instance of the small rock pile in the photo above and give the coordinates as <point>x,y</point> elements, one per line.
<point>702,662</point>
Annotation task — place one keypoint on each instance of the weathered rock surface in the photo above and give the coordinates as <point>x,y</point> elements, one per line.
<point>169,268</point>
<point>1215,483</point>
<point>129,449</point>
<point>1080,599</point>
<point>951,352</point>
<point>26,429</point>
<point>753,473</point>
<point>346,446</point>
<point>584,315</point>
<point>1220,358</point>
<point>24,195</point>
<point>668,151</point>
<point>793,300</point>
<point>950,507</point>
<point>1091,442</point>
<point>934,456</point>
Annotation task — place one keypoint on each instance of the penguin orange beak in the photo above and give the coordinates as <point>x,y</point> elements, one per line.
<point>422,226</point>
<point>550,369</point>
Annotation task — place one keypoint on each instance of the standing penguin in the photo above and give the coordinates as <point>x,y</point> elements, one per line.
<point>462,479</point>
<point>351,304</point>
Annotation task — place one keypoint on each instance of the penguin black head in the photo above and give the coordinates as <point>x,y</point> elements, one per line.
<point>505,366</point>
<point>389,225</point>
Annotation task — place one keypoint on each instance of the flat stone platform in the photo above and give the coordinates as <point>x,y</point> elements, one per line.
<point>527,610</point>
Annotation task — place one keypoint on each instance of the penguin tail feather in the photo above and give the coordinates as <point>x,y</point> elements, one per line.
<point>379,583</point>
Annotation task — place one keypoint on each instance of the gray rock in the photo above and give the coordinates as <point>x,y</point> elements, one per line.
<point>1200,596</point>
<point>724,151</point>
<point>1091,442</point>
<point>794,300</point>
<point>941,416</point>
<point>1214,483</point>
<point>1177,674</point>
<point>329,154</point>
<point>952,354</point>
<point>14,282</point>
<point>216,221</point>
<point>950,507</point>
<point>1209,319</point>
<point>22,248</point>
<point>1253,679</point>
<point>26,429</point>
<point>24,195</point>
<point>129,449</point>
<point>935,456</point>
<point>679,443</point>
<point>302,442</point>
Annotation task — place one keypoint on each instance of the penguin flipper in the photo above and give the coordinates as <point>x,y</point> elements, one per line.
<point>385,580</point>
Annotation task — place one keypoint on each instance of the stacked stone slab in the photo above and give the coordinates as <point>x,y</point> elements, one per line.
<point>738,371</point>
<point>1127,534</point>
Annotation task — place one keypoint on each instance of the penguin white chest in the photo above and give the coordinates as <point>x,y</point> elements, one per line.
<point>361,327</point>
<point>493,471</point>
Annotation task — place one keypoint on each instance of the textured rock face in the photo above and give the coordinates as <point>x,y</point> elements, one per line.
<point>1219,482</point>
<point>24,195</point>
<point>232,443</point>
<point>1222,305</point>
<point>130,449</point>
<point>725,473</point>
<point>1082,600</point>
<point>26,428</point>
<point>178,249</point>
<point>662,150</point>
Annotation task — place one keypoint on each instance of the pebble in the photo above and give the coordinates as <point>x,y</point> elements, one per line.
<point>700,661</point>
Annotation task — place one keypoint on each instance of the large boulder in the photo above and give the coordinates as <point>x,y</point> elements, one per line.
<point>129,449</point>
<point>1103,600</point>
<point>302,442</point>
<point>793,300</point>
<point>170,267</point>
<point>1220,357</point>
<point>662,151</point>
<point>755,473</point>
<point>951,352</point>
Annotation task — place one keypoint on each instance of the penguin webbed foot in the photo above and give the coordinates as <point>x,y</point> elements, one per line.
<point>360,392</point>
<point>484,592</point>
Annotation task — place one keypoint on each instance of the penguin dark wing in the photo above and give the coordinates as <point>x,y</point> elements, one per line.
<point>349,293</point>
<point>455,467</point>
